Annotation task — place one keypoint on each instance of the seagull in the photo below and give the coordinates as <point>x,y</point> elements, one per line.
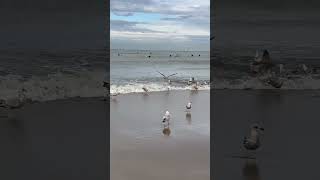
<point>166,117</point>
<point>188,106</point>
<point>280,68</point>
<point>191,80</point>
<point>145,89</point>
<point>195,86</point>
<point>106,85</point>
<point>167,77</point>
<point>167,114</point>
<point>253,141</point>
<point>304,68</point>
<point>275,82</point>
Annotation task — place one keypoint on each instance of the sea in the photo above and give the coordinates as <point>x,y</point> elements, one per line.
<point>130,70</point>
<point>289,35</point>
<point>43,75</point>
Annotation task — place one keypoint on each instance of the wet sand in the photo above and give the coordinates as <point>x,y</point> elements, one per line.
<point>290,147</point>
<point>141,148</point>
<point>63,140</point>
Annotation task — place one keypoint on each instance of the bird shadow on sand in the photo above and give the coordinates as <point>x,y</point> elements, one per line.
<point>250,170</point>
<point>166,130</point>
<point>13,125</point>
<point>188,118</point>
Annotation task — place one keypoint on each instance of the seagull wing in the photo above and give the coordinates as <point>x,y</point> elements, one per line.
<point>162,74</point>
<point>172,74</point>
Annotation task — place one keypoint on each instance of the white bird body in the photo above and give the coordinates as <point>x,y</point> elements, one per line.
<point>253,141</point>
<point>196,86</point>
<point>281,68</point>
<point>166,117</point>
<point>191,81</point>
<point>304,68</point>
<point>188,106</point>
<point>167,114</point>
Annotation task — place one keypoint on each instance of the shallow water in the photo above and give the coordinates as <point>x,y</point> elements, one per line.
<point>142,148</point>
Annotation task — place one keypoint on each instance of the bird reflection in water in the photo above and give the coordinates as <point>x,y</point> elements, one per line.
<point>250,170</point>
<point>188,117</point>
<point>166,129</point>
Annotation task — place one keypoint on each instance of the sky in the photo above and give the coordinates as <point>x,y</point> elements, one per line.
<point>160,24</point>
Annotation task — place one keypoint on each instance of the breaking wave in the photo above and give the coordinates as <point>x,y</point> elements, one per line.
<point>16,90</point>
<point>310,82</point>
<point>152,87</point>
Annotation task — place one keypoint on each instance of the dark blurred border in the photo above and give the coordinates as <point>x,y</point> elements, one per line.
<point>53,25</point>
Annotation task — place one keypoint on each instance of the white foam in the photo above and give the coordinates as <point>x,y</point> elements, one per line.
<point>52,87</point>
<point>16,90</point>
<point>299,82</point>
<point>152,87</point>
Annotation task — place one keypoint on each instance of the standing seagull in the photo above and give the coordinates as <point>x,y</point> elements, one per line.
<point>166,117</point>
<point>253,141</point>
<point>195,86</point>
<point>191,81</point>
<point>188,106</point>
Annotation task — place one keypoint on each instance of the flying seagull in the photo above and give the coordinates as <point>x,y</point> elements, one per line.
<point>167,77</point>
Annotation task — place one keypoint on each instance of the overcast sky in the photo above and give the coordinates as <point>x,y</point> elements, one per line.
<point>160,24</point>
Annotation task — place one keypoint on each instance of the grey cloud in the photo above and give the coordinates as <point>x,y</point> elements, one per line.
<point>129,7</point>
<point>120,25</point>
<point>199,37</point>
<point>181,17</point>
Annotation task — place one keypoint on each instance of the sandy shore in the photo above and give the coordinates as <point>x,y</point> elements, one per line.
<point>290,148</point>
<point>140,146</point>
<point>63,140</point>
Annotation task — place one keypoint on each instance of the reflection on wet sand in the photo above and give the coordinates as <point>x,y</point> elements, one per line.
<point>188,117</point>
<point>166,129</point>
<point>250,170</point>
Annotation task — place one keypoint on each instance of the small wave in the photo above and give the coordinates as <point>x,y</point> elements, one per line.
<point>289,83</point>
<point>152,87</point>
<point>15,88</point>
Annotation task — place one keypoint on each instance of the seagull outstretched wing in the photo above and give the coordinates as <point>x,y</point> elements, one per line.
<point>172,75</point>
<point>162,74</point>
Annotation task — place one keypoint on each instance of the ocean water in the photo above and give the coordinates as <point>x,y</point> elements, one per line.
<point>290,36</point>
<point>130,70</point>
<point>41,75</point>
